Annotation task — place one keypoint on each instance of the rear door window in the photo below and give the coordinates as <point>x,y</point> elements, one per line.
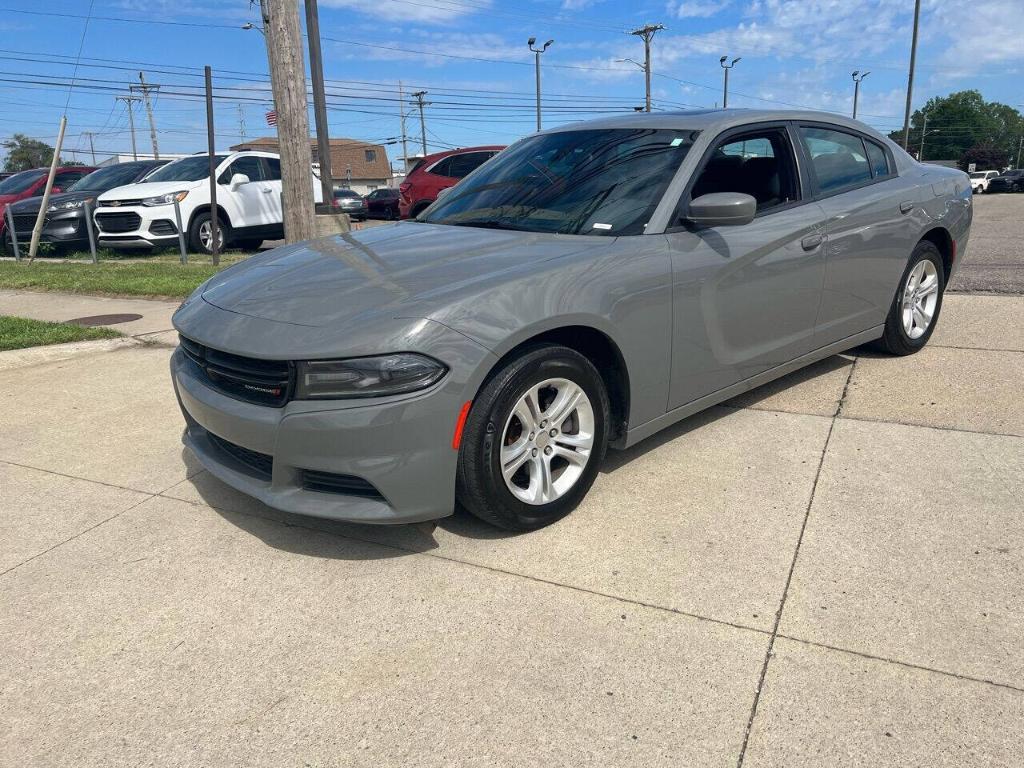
<point>272,168</point>
<point>839,159</point>
<point>443,167</point>
<point>463,165</point>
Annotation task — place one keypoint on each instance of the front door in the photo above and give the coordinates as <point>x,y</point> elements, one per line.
<point>745,298</point>
<point>246,204</point>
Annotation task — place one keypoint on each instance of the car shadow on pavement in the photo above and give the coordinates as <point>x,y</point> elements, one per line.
<point>352,541</point>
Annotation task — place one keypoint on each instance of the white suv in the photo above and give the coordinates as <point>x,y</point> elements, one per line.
<point>248,199</point>
<point>980,180</point>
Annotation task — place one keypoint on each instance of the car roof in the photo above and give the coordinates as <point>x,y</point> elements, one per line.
<point>461,150</point>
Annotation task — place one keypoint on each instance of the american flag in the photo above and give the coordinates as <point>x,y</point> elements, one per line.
<point>272,117</point>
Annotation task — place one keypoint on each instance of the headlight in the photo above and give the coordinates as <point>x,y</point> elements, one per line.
<point>69,205</point>
<point>167,199</point>
<point>367,376</point>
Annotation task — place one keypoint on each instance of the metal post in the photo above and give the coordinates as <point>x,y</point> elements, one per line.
<point>131,119</point>
<point>316,68</point>
<point>910,76</point>
<point>14,234</point>
<point>1020,144</point>
<point>181,233</point>
<point>857,77</point>
<point>924,130</point>
<point>537,67</point>
<point>725,90</point>
<point>88,228</point>
<point>214,233</point>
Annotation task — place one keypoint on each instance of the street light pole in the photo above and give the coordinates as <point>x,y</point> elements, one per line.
<point>857,77</point>
<point>537,52</point>
<point>910,76</point>
<point>725,87</point>
<point>316,68</point>
<point>647,33</point>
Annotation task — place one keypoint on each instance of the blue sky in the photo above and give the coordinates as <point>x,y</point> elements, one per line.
<point>471,57</point>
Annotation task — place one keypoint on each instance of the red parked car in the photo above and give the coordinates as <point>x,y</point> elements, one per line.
<point>30,184</point>
<point>436,172</point>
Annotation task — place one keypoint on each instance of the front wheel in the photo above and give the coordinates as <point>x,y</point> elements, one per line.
<point>534,440</point>
<point>915,308</point>
<point>200,233</point>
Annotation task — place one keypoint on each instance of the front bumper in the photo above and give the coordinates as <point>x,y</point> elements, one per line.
<point>137,226</point>
<point>63,228</point>
<point>402,447</point>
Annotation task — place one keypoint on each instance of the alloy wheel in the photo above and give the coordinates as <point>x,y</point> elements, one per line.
<point>206,236</point>
<point>547,441</point>
<point>920,297</point>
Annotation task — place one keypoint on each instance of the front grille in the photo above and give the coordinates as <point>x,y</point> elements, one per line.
<point>329,482</point>
<point>118,222</point>
<point>264,382</point>
<point>260,464</point>
<point>25,222</point>
<point>117,203</point>
<point>163,227</point>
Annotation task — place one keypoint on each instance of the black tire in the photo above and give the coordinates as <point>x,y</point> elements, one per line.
<point>895,340</point>
<point>418,209</point>
<point>248,243</point>
<point>480,486</point>
<point>194,241</point>
<point>390,214</point>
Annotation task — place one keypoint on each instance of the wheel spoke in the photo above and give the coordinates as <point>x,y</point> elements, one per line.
<point>576,458</point>
<point>564,404</point>
<point>513,457</point>
<point>581,440</point>
<point>928,288</point>
<point>919,319</point>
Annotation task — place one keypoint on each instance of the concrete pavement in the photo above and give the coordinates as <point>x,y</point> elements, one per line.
<point>825,571</point>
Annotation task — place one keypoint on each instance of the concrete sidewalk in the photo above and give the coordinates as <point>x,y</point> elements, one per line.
<point>153,315</point>
<point>824,572</point>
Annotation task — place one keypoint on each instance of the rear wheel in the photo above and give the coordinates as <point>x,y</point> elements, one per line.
<point>915,308</point>
<point>534,440</point>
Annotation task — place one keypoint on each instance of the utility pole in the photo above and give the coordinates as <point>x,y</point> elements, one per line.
<point>924,131</point>
<point>131,120</point>
<point>241,122</point>
<point>92,147</point>
<point>647,33</point>
<point>37,230</point>
<point>423,126</point>
<point>316,68</point>
<point>910,76</point>
<point>725,88</point>
<point>1020,144</point>
<point>145,88</point>
<point>288,80</point>
<point>857,77</point>
<point>401,114</point>
<point>537,52</point>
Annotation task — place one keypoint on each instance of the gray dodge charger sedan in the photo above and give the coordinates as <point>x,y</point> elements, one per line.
<point>587,287</point>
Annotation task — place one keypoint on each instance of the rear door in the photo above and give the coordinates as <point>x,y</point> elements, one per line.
<point>870,223</point>
<point>745,298</point>
<point>272,171</point>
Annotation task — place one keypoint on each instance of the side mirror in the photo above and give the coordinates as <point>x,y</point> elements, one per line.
<point>55,190</point>
<point>442,192</point>
<point>722,209</point>
<point>238,180</point>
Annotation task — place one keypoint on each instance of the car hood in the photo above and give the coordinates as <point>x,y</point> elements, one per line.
<point>31,204</point>
<point>149,189</point>
<point>401,270</point>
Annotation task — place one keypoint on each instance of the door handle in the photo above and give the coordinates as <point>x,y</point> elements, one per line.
<point>266,190</point>
<point>811,242</point>
<point>906,206</point>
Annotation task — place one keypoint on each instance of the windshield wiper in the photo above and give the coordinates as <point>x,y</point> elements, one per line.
<point>482,223</point>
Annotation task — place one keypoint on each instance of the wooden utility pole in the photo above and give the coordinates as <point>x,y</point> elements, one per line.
<point>37,230</point>
<point>131,120</point>
<point>405,143</point>
<point>423,125</point>
<point>92,147</point>
<point>145,88</point>
<point>288,81</point>
<point>647,33</point>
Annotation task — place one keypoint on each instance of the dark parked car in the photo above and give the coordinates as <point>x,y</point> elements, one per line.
<point>350,202</point>
<point>382,203</point>
<point>437,172</point>
<point>64,224</point>
<point>30,184</point>
<point>1008,181</point>
<point>588,287</point>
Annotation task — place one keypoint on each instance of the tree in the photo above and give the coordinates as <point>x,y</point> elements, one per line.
<point>24,153</point>
<point>962,120</point>
<point>985,157</point>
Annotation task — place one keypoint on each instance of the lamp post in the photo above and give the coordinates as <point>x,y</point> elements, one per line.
<point>857,77</point>
<point>725,87</point>
<point>536,53</point>
<point>920,154</point>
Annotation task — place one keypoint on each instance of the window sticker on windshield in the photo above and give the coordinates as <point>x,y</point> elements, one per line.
<point>602,226</point>
<point>676,142</point>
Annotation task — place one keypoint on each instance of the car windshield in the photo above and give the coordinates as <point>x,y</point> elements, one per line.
<point>107,178</point>
<point>193,168</point>
<point>19,182</point>
<point>345,193</point>
<point>589,182</point>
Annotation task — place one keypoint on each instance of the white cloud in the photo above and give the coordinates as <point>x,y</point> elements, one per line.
<point>416,11</point>
<point>700,9</point>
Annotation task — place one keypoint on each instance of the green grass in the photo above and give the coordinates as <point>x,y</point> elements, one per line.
<point>118,278</point>
<point>20,332</point>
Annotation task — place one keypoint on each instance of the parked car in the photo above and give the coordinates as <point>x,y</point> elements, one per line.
<point>351,202</point>
<point>590,286</point>
<point>20,186</point>
<point>383,203</point>
<point>64,224</point>
<point>1007,181</point>
<point>980,180</point>
<point>248,198</point>
<point>436,172</point>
